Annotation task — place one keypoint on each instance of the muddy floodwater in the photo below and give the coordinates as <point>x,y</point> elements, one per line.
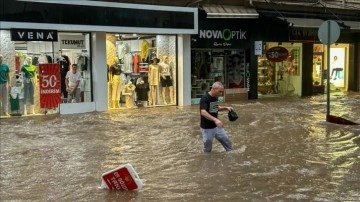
<point>284,150</point>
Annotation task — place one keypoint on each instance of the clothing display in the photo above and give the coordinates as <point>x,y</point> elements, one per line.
<point>144,50</point>
<point>128,62</point>
<point>15,98</point>
<point>64,68</point>
<point>154,74</point>
<point>129,94</point>
<point>152,78</point>
<point>82,62</point>
<point>29,82</point>
<point>142,91</point>
<point>122,49</point>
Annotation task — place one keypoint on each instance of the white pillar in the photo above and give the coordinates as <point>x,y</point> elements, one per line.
<point>184,70</point>
<point>99,76</point>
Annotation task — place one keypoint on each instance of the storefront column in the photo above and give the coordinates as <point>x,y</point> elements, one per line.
<point>99,71</point>
<point>184,70</point>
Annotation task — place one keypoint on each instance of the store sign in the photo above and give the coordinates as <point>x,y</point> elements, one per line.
<point>222,38</point>
<point>303,34</point>
<point>72,42</point>
<point>33,35</point>
<point>277,54</point>
<point>50,86</point>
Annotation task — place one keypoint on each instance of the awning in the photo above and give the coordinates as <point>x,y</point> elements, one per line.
<point>315,23</point>
<point>351,24</point>
<point>228,11</point>
<point>303,22</point>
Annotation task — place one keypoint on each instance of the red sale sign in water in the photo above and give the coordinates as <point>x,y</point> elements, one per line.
<point>122,178</point>
<point>277,54</point>
<point>50,86</point>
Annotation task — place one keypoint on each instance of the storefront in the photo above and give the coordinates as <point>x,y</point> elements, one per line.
<point>142,70</point>
<point>343,66</point>
<point>94,40</point>
<point>226,50</point>
<point>280,69</point>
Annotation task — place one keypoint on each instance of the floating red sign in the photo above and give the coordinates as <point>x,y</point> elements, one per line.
<point>122,178</point>
<point>277,54</point>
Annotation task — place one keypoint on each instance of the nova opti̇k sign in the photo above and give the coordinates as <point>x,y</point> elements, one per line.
<point>277,54</point>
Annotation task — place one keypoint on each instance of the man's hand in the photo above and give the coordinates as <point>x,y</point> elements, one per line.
<point>219,123</point>
<point>229,108</point>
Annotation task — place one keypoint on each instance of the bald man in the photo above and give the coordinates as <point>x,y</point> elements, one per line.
<point>210,126</point>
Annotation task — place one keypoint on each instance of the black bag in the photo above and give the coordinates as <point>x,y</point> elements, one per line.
<point>232,115</point>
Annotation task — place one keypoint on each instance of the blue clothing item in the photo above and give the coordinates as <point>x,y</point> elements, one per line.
<point>218,133</point>
<point>4,72</point>
<point>28,91</point>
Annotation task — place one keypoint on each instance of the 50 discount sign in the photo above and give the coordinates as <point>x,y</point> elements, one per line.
<point>50,85</point>
<point>277,54</point>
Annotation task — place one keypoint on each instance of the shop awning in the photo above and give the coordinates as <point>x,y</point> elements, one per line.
<point>303,22</point>
<point>228,11</point>
<point>315,23</point>
<point>351,24</point>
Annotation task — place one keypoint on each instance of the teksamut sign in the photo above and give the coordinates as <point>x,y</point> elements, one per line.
<point>72,41</point>
<point>33,35</point>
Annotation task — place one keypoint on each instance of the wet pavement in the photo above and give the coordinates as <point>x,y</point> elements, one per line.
<point>283,151</point>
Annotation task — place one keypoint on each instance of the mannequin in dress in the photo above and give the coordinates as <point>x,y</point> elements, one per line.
<point>154,80</point>
<point>116,83</point>
<point>30,80</point>
<point>166,79</point>
<point>128,92</point>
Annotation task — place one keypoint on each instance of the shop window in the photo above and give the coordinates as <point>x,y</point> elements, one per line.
<point>141,70</point>
<point>280,77</point>
<point>209,66</point>
<point>30,63</point>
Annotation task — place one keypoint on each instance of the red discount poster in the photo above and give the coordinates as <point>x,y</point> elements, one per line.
<point>50,85</point>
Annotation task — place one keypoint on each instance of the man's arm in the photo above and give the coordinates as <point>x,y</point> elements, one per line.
<point>208,116</point>
<point>67,81</point>
<point>225,108</point>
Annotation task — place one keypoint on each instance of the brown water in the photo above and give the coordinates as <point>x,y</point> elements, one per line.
<point>283,151</point>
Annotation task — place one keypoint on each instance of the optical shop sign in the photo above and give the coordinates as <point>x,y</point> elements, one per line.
<point>50,88</point>
<point>72,41</point>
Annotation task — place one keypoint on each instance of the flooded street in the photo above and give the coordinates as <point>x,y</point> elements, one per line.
<point>283,151</point>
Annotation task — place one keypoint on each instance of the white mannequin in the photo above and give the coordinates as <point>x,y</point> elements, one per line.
<point>30,79</point>
<point>166,79</point>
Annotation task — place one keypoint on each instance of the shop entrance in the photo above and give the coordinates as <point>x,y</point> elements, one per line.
<point>318,73</point>
<point>280,78</point>
<point>142,70</point>
<point>338,67</point>
<point>211,65</point>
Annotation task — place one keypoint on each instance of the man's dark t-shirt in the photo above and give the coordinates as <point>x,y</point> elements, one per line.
<point>211,105</point>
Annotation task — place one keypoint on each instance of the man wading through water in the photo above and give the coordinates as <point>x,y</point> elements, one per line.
<point>210,125</point>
